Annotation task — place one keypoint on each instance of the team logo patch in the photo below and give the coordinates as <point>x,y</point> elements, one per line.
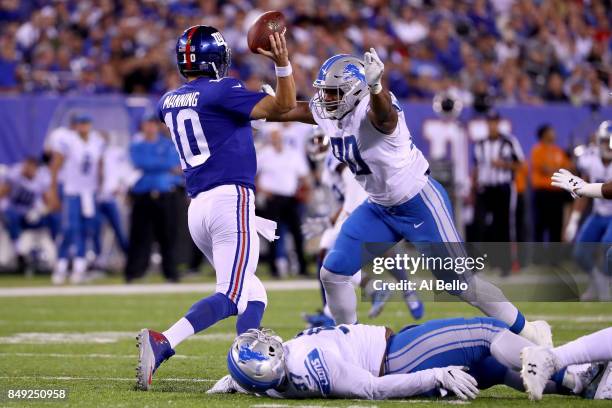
<point>318,370</point>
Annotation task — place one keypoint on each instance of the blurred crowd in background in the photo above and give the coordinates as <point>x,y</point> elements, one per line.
<point>509,51</point>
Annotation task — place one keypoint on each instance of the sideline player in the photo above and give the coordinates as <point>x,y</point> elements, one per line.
<point>77,155</point>
<point>24,187</point>
<point>368,132</point>
<point>597,228</point>
<point>209,119</point>
<point>370,362</point>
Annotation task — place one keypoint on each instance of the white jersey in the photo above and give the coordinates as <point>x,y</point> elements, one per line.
<point>390,168</point>
<point>54,142</point>
<point>26,194</point>
<point>117,170</point>
<point>81,162</point>
<point>596,171</point>
<point>343,185</point>
<point>344,362</point>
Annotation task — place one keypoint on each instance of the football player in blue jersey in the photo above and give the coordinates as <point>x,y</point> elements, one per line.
<point>209,119</point>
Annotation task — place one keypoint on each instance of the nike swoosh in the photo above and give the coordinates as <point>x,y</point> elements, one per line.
<point>419,224</point>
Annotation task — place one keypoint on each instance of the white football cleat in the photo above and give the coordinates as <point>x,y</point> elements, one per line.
<point>604,390</point>
<point>538,332</point>
<point>59,277</point>
<point>539,364</point>
<point>226,385</point>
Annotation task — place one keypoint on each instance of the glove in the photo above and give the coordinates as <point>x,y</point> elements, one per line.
<point>456,380</point>
<point>314,226</point>
<point>567,181</point>
<point>373,70</point>
<point>268,89</point>
<point>226,385</point>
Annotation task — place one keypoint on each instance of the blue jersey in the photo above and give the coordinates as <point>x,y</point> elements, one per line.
<point>209,120</point>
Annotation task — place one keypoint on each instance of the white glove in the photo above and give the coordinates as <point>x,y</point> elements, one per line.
<point>314,226</point>
<point>267,88</point>
<point>373,70</point>
<point>566,180</point>
<point>226,385</point>
<point>456,380</point>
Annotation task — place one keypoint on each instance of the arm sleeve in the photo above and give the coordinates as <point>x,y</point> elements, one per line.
<point>238,100</point>
<point>351,381</point>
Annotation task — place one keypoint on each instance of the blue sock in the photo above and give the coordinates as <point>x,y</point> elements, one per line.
<point>558,380</point>
<point>251,318</point>
<point>208,311</point>
<point>518,324</point>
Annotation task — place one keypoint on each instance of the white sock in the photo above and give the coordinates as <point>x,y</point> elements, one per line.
<point>586,349</point>
<point>506,348</point>
<point>79,266</point>
<point>61,267</point>
<point>179,332</point>
<point>341,297</point>
<point>490,300</point>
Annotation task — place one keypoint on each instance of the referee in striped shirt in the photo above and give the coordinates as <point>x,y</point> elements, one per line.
<point>497,158</point>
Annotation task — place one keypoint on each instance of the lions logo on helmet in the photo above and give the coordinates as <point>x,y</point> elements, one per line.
<point>604,139</point>
<point>256,360</point>
<point>341,85</point>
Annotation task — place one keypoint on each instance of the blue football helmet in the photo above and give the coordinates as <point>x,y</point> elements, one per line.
<point>202,50</point>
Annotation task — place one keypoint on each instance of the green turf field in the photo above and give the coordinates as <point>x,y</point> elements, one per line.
<point>86,344</point>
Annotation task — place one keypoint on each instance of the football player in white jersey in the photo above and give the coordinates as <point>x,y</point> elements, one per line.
<point>337,177</point>
<point>368,132</point>
<point>597,228</point>
<point>371,362</point>
<point>24,187</point>
<point>78,155</point>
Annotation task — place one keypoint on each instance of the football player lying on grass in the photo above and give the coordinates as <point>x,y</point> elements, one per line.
<point>457,356</point>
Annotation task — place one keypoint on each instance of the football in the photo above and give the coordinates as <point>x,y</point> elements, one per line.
<point>265,25</point>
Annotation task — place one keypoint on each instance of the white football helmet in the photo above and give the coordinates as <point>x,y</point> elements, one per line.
<point>604,139</point>
<point>256,360</point>
<point>317,144</point>
<point>345,75</point>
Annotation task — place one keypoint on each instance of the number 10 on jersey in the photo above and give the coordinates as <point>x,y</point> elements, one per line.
<point>190,141</point>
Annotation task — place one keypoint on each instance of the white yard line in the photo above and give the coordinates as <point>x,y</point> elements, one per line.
<point>92,355</point>
<point>63,378</point>
<point>139,289</point>
<point>98,337</point>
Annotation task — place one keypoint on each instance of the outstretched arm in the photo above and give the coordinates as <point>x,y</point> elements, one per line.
<point>382,114</point>
<point>301,113</point>
<point>285,98</point>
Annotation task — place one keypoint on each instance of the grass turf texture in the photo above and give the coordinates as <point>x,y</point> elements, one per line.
<point>102,374</point>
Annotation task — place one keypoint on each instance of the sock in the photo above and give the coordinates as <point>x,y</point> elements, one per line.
<point>493,303</point>
<point>209,311</point>
<point>341,296</point>
<point>61,267</point>
<point>251,318</point>
<point>326,311</point>
<point>79,266</point>
<point>586,349</point>
<point>506,348</point>
<point>179,332</point>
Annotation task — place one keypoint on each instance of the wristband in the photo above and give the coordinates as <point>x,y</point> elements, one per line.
<point>282,72</point>
<point>376,88</point>
<point>592,190</point>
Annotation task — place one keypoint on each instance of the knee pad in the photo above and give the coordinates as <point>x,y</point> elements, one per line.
<point>328,276</point>
<point>339,262</point>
